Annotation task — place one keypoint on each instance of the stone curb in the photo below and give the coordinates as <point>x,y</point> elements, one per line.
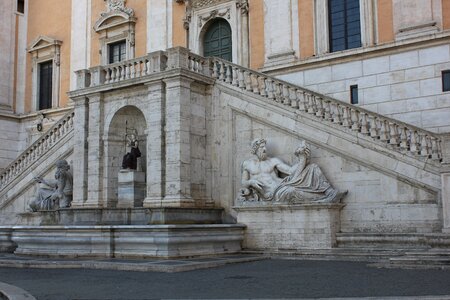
<point>11,292</point>
<point>168,266</point>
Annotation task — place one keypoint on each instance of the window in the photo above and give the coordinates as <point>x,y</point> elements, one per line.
<point>117,52</point>
<point>21,6</point>
<point>45,85</point>
<point>217,40</point>
<point>344,24</point>
<point>446,81</point>
<point>354,94</point>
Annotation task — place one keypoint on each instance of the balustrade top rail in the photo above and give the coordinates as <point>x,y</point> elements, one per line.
<point>33,152</point>
<point>396,134</point>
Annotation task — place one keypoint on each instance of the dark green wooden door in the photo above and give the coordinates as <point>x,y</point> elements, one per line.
<point>217,41</point>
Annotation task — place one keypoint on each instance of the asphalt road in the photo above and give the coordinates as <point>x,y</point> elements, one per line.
<point>261,279</point>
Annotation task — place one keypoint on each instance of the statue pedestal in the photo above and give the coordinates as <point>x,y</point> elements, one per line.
<point>287,227</point>
<point>131,189</point>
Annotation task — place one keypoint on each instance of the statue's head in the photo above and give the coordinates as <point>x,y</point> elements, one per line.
<point>303,148</point>
<point>259,148</point>
<point>63,165</point>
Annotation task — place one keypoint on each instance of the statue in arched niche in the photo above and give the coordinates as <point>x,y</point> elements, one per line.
<point>129,160</point>
<point>267,178</point>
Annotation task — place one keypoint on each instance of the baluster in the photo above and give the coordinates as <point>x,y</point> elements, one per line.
<point>293,97</point>
<point>374,129</point>
<point>336,113</point>
<point>311,105</point>
<point>133,70</point>
<point>269,85</point>
<point>319,105</point>
<point>286,99</point>
<point>248,81</point>
<point>435,149</point>
<point>201,70</point>
<point>144,67</point>
<point>346,117</point>
<point>394,140</point>
<point>254,79</point>
<point>356,125</point>
<point>277,91</point>
<point>424,146</point>
<point>364,124</point>
<point>117,73</point>
<point>327,110</point>
<point>228,74</point>
<point>222,71</point>
<point>384,132</point>
<point>241,79</point>
<point>122,72</point>
<point>403,138</point>
<point>215,67</point>
<point>301,100</point>
<point>413,146</point>
<point>235,77</point>
<point>262,86</point>
<point>107,76</point>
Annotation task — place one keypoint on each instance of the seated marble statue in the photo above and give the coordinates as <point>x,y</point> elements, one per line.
<point>129,160</point>
<point>270,179</point>
<point>306,183</point>
<point>54,193</point>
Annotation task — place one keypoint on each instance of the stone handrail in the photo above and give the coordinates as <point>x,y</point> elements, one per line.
<point>59,130</point>
<point>151,63</point>
<point>400,136</point>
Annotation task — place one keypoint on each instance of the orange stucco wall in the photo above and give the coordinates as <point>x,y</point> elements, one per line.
<point>446,14</point>
<point>140,12</point>
<point>385,21</point>
<point>50,18</point>
<point>306,27</point>
<point>256,28</point>
<point>179,33</point>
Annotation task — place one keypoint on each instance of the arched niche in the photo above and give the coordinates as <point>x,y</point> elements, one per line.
<point>124,120</point>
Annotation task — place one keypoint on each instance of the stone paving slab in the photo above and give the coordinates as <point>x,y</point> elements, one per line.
<point>140,265</point>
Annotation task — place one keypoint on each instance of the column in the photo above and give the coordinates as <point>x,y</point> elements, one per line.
<point>155,145</point>
<point>178,149</point>
<point>80,151</point>
<point>95,152</point>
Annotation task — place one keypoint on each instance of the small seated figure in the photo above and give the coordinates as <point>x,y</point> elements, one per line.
<point>129,160</point>
<point>306,183</point>
<point>55,193</point>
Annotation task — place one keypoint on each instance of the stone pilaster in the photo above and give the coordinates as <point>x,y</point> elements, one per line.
<point>95,152</point>
<point>155,145</point>
<point>178,149</point>
<point>80,151</point>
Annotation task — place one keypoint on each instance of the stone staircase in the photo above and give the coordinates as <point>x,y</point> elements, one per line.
<point>396,148</point>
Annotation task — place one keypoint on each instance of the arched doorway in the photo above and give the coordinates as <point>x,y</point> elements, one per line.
<point>217,40</point>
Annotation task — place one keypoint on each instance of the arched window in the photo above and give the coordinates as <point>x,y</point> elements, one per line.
<point>217,40</point>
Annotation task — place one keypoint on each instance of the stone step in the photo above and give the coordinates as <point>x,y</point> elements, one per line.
<point>378,240</point>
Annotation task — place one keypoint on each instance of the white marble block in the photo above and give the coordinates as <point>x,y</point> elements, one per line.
<point>284,227</point>
<point>131,188</point>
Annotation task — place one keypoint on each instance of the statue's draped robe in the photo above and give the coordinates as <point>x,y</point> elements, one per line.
<point>306,184</point>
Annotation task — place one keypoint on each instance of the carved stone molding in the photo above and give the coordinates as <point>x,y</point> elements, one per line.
<point>118,6</point>
<point>213,14</point>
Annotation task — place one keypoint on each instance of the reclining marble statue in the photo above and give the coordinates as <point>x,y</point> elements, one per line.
<point>267,178</point>
<point>54,193</point>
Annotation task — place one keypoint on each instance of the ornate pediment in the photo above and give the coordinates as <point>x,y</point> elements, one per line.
<point>43,42</point>
<point>116,14</point>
